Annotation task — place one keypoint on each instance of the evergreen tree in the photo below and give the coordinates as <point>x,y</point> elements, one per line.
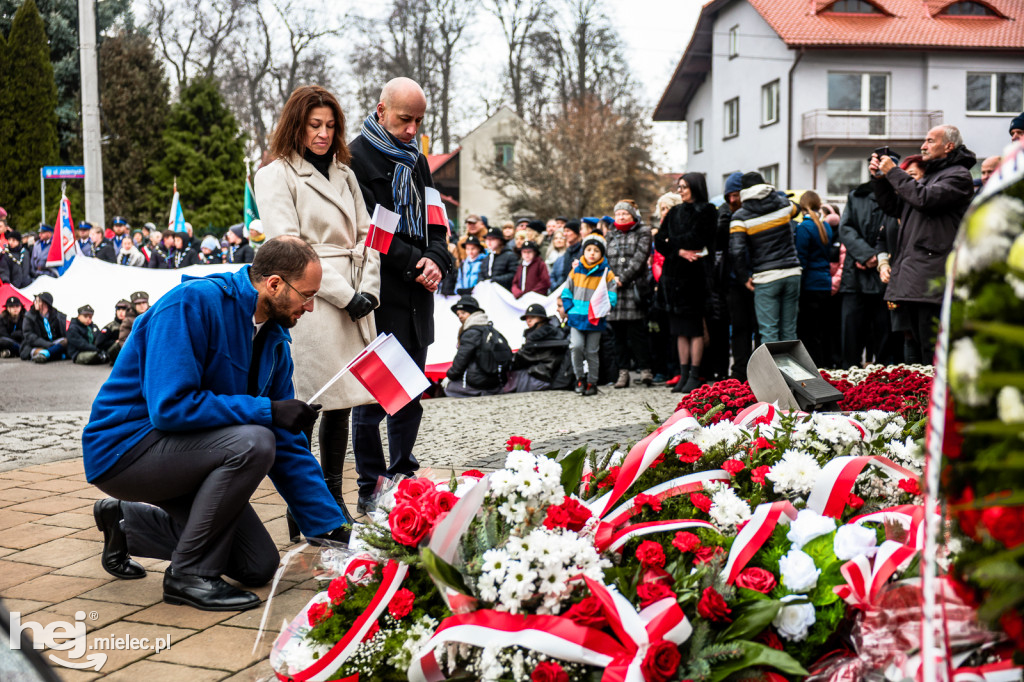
<point>204,149</point>
<point>133,98</point>
<point>29,119</point>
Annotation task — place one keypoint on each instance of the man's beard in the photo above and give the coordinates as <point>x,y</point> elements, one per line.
<point>280,313</point>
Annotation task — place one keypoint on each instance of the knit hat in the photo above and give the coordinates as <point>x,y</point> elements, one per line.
<point>210,242</point>
<point>238,230</point>
<point>750,179</point>
<point>534,310</point>
<point>467,303</point>
<point>597,240</point>
<point>1017,123</point>
<point>629,208</point>
<point>15,235</point>
<point>573,226</point>
<point>86,310</point>
<point>733,183</point>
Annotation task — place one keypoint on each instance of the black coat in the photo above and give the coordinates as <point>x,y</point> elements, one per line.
<point>82,338</point>
<point>14,269</point>
<point>761,233</point>
<point>105,251</point>
<point>929,213</point>
<point>157,258</point>
<point>35,331</point>
<point>406,307</point>
<point>862,231</point>
<point>542,351</point>
<point>465,367</point>
<point>13,327</point>
<point>242,253</point>
<point>684,283</point>
<point>500,267</point>
<point>184,258</point>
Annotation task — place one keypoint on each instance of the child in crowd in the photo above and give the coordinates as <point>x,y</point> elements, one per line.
<point>469,271</point>
<point>532,273</point>
<point>584,335</point>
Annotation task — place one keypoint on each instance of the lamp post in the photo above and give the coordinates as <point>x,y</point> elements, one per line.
<point>91,113</point>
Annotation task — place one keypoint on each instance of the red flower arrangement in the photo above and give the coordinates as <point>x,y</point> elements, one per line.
<point>570,514</point>
<point>650,554</point>
<point>401,604</point>
<point>685,542</point>
<point>713,606</point>
<point>419,506</point>
<point>729,397</point>
<point>898,390</point>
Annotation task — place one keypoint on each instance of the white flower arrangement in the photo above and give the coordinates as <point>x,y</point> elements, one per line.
<point>798,572</point>
<point>808,525</point>
<point>796,472</point>
<point>794,621</point>
<point>728,510</point>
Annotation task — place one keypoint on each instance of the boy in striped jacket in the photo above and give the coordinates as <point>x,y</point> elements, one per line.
<point>584,330</point>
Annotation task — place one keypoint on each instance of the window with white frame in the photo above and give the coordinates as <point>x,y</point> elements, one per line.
<point>731,124</point>
<point>995,93</point>
<point>770,103</point>
<point>734,41</point>
<point>861,93</point>
<point>697,135</point>
<point>770,174</point>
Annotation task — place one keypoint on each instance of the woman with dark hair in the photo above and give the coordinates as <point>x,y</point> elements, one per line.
<point>683,238</point>
<point>813,246</point>
<point>309,191</point>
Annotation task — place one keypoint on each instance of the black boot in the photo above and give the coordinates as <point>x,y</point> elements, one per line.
<point>684,373</point>
<point>693,382</point>
<point>333,448</point>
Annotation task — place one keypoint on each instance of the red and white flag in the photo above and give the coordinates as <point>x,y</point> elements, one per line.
<point>600,304</point>
<point>63,246</point>
<point>389,374</point>
<point>435,210</point>
<point>383,224</point>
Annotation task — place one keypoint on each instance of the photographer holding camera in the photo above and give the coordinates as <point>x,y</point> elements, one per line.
<point>929,211</point>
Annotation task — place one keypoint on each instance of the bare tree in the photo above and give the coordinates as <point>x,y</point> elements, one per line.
<point>305,29</point>
<point>191,39</point>
<point>518,20</point>
<point>451,17</point>
<point>245,83</point>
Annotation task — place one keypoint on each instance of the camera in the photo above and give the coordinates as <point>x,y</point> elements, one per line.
<point>885,151</point>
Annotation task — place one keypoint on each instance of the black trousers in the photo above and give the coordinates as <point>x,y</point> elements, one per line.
<point>403,428</point>
<point>7,343</point>
<point>186,499</point>
<point>866,327</point>
<point>924,326</point>
<point>744,328</point>
<point>811,325</point>
<point>631,342</point>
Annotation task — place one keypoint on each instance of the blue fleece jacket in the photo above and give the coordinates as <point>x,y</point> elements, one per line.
<point>185,367</point>
<point>813,255</point>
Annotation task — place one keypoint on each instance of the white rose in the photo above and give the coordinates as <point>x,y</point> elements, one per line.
<point>1010,405</point>
<point>808,525</point>
<point>793,621</point>
<point>799,573</point>
<point>854,540</point>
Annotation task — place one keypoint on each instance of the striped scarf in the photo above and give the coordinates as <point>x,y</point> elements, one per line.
<point>407,201</point>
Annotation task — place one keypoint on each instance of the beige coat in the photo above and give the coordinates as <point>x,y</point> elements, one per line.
<point>294,198</point>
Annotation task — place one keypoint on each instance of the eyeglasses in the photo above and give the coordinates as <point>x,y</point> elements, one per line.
<point>305,299</point>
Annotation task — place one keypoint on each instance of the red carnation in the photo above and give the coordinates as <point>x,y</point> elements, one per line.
<point>650,500</point>
<point>517,443</point>
<point>685,542</point>
<point>651,592</point>
<point>910,485</point>
<point>733,466</point>
<point>661,662</point>
<point>705,554</point>
<point>689,452</point>
<point>758,474</point>
<point>758,579</point>
<point>609,480</point>
<point>549,671</point>
<point>713,607</point>
<point>763,419</point>
<point>854,501</point>
<point>579,514</point>
<point>318,612</point>
<point>336,590</point>
<point>701,501</point>
<point>762,443</point>
<point>588,613</point>
<point>473,473</point>
<point>650,554</point>
<point>410,489</point>
<point>408,524</point>
<point>557,517</point>
<point>401,604</point>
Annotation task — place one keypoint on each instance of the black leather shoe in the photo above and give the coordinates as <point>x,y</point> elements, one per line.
<point>115,557</point>
<point>364,505</point>
<point>206,594</point>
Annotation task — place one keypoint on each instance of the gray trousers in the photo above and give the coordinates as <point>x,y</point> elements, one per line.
<point>585,346</point>
<point>186,499</point>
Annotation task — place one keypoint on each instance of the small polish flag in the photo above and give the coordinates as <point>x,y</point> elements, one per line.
<point>383,224</point>
<point>600,304</point>
<point>389,374</point>
<point>435,210</point>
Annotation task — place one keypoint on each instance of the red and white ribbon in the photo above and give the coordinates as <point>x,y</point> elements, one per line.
<point>832,490</point>
<point>640,457</point>
<point>1003,671</point>
<point>683,485</point>
<point>755,533</point>
<point>745,419</point>
<point>909,516</point>
<point>612,541</point>
<point>865,579</point>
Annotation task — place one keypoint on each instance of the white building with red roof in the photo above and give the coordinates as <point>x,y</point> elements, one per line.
<point>804,90</point>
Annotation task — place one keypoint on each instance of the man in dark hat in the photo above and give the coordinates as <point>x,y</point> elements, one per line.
<point>12,322</point>
<point>83,335</point>
<point>500,264</point>
<point>1017,128</point>
<point>532,273</point>
<point>40,252</point>
<point>140,304</point>
<point>44,331</point>
<point>538,360</point>
<point>82,236</point>
<point>239,250</point>
<point>110,335</point>
<point>120,228</point>
<point>14,262</point>
<point>467,377</point>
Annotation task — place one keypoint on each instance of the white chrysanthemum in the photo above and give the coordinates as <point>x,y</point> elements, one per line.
<point>907,453</point>
<point>503,482</point>
<point>520,460</point>
<point>300,653</point>
<point>965,366</point>
<point>496,563</point>
<point>724,432</point>
<point>796,472</point>
<point>1010,405</point>
<point>728,510</point>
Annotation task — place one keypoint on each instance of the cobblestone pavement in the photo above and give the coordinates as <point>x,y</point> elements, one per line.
<point>41,437</point>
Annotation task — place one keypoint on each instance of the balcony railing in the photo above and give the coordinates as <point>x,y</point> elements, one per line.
<point>894,124</point>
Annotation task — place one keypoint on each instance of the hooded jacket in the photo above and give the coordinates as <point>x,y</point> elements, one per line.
<point>761,231</point>
<point>499,267</point>
<point>929,213</point>
<point>863,230</point>
<point>465,367</point>
<point>580,288</point>
<point>203,384</point>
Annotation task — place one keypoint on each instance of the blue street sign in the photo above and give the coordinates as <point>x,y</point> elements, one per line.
<point>63,172</point>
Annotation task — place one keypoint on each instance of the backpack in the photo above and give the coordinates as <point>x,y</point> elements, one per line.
<point>494,355</point>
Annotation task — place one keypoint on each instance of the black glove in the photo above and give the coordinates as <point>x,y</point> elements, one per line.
<point>361,305</point>
<point>293,415</point>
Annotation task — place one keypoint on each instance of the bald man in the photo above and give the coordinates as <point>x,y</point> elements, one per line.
<point>393,173</point>
<point>988,167</point>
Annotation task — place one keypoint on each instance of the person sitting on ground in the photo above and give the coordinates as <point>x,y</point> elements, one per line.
<point>466,377</point>
<point>469,271</point>
<point>500,264</point>
<point>209,251</point>
<point>537,362</point>
<point>184,255</point>
<point>584,335</point>
<point>83,335</point>
<point>140,304</point>
<point>531,273</point>
<point>239,250</point>
<point>12,327</point>
<point>110,334</point>
<point>44,331</point>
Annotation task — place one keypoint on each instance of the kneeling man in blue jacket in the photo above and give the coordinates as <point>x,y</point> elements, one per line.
<point>199,407</point>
